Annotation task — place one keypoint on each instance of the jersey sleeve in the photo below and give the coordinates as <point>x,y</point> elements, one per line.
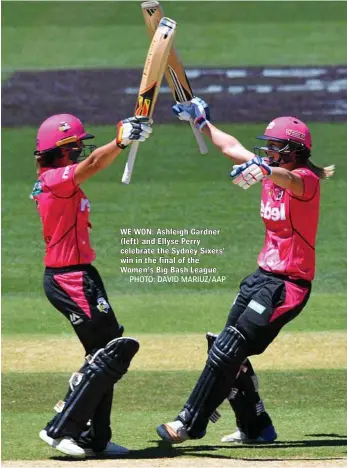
<point>311,182</point>
<point>60,181</point>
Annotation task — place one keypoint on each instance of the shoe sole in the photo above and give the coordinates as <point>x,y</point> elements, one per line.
<point>55,443</point>
<point>104,454</point>
<point>247,442</point>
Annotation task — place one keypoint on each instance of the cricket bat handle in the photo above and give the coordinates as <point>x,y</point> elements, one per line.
<point>199,139</point>
<point>128,170</point>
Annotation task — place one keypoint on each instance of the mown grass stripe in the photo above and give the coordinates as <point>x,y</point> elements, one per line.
<point>308,350</point>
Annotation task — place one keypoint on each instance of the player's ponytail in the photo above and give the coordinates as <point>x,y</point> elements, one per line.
<point>320,171</point>
<point>303,157</point>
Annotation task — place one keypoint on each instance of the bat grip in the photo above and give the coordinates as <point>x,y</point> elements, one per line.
<point>128,170</point>
<point>199,139</point>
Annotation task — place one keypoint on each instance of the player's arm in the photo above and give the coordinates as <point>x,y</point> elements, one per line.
<point>253,171</point>
<point>287,180</point>
<point>197,112</point>
<point>227,144</point>
<point>128,130</point>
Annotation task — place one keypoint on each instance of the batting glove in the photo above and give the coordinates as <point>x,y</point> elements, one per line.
<point>250,173</point>
<point>196,111</point>
<point>133,129</point>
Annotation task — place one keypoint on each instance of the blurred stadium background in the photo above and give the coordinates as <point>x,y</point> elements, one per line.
<point>251,61</point>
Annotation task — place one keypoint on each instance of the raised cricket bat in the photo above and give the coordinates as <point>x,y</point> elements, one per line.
<point>153,72</point>
<point>174,73</point>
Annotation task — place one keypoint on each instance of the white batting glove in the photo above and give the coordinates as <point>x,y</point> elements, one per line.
<point>133,129</point>
<point>251,172</point>
<point>196,111</point>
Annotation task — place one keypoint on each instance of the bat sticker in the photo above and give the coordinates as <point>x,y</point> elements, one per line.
<point>144,102</point>
<point>181,94</point>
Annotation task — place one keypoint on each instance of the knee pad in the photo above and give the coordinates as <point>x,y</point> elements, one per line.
<point>228,350</point>
<point>104,369</point>
<point>113,361</point>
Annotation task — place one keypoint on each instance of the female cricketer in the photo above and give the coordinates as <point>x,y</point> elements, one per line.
<point>276,292</point>
<point>73,285</point>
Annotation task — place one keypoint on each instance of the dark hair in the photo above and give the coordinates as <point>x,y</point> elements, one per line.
<point>320,171</point>
<point>47,158</point>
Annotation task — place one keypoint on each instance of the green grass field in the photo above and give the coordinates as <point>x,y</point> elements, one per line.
<point>173,187</point>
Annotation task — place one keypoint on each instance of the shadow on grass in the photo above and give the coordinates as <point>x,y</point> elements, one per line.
<point>327,435</point>
<point>165,450</point>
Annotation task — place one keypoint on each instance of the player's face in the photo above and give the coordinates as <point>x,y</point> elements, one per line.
<point>71,153</point>
<point>272,152</point>
<point>275,155</point>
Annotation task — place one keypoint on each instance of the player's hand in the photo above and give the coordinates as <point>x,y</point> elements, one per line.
<point>196,111</point>
<point>133,129</point>
<point>250,173</point>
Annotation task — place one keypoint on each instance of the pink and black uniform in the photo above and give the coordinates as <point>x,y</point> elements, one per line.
<point>280,288</point>
<point>71,283</point>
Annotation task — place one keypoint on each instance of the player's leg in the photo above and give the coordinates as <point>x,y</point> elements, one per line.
<point>106,367</point>
<point>252,333</point>
<point>252,421</point>
<point>100,433</point>
<point>223,362</point>
<point>75,295</point>
<point>102,315</point>
<point>227,353</point>
<point>93,327</point>
<point>273,305</point>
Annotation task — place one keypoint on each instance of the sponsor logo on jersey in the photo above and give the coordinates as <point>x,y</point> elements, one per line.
<point>75,319</point>
<point>295,134</point>
<point>273,212</point>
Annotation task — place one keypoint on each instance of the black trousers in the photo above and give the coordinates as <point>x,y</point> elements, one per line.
<point>79,294</point>
<point>264,304</point>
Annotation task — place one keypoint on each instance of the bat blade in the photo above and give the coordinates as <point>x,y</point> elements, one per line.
<point>153,72</point>
<point>175,73</point>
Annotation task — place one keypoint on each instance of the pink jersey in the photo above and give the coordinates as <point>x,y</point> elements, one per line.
<point>291,226</point>
<point>64,212</point>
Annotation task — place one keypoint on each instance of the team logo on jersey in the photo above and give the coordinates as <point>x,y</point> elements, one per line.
<point>103,305</point>
<point>276,194</point>
<point>64,126</point>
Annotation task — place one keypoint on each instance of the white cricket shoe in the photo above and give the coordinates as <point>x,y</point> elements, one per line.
<point>174,432</point>
<point>111,450</point>
<point>65,445</point>
<point>237,436</point>
<point>267,436</point>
